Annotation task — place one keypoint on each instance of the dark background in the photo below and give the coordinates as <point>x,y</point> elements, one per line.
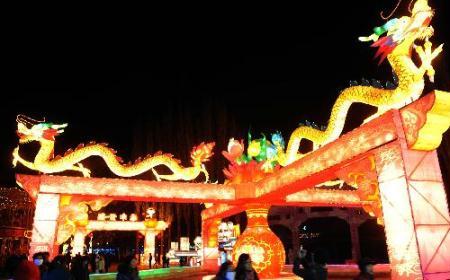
<point>140,82</point>
<point>148,79</point>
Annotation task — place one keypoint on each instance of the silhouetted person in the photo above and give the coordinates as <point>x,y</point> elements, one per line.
<point>92,261</point>
<point>58,270</point>
<point>163,260</point>
<point>11,264</point>
<point>166,260</point>
<point>68,258</point>
<point>107,262</point>
<point>97,263</point>
<point>226,272</point>
<point>128,270</point>
<point>101,264</point>
<point>39,261</point>
<point>314,268</point>
<point>244,269</point>
<point>150,258</point>
<point>366,269</point>
<point>80,267</point>
<point>157,259</point>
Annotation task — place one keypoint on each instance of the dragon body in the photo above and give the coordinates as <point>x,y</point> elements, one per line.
<point>45,162</point>
<point>397,46</point>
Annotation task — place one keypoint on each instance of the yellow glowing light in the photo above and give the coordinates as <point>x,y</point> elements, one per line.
<point>46,163</point>
<point>81,223</point>
<point>150,212</point>
<point>236,230</point>
<point>150,223</point>
<point>133,217</point>
<point>115,225</point>
<point>254,148</point>
<point>101,216</point>
<point>123,217</point>
<point>97,225</point>
<point>65,200</point>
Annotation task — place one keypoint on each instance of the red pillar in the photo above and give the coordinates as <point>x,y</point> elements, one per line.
<point>210,244</point>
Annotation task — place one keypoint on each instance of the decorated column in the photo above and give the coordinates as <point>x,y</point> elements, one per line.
<point>265,249</point>
<point>210,230</point>
<point>415,213</point>
<point>149,246</point>
<point>78,241</point>
<point>45,222</point>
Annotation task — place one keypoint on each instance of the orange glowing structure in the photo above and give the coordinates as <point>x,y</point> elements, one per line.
<point>394,181</point>
<point>73,221</point>
<point>390,161</point>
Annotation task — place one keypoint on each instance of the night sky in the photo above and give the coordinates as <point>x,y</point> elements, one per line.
<point>271,69</point>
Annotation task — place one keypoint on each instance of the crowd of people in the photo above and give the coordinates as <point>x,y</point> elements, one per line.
<point>65,267</point>
<point>244,270</point>
<point>313,266</point>
<point>307,265</point>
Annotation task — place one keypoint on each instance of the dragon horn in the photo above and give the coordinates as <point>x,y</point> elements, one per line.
<point>58,126</point>
<point>420,5</point>
<point>27,120</point>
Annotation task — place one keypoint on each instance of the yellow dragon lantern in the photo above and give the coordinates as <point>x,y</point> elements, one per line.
<point>31,130</point>
<point>397,46</point>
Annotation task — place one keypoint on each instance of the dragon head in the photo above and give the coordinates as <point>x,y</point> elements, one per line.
<point>202,153</point>
<point>401,33</point>
<point>31,130</point>
<point>415,27</point>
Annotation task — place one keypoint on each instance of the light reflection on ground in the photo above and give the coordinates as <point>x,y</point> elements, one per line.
<point>340,272</point>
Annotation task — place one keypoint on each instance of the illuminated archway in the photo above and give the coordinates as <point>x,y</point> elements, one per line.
<point>399,184</point>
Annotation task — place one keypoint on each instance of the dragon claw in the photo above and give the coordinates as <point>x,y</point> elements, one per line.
<point>426,55</point>
<point>437,51</point>
<point>156,175</point>
<point>85,171</point>
<point>15,156</point>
